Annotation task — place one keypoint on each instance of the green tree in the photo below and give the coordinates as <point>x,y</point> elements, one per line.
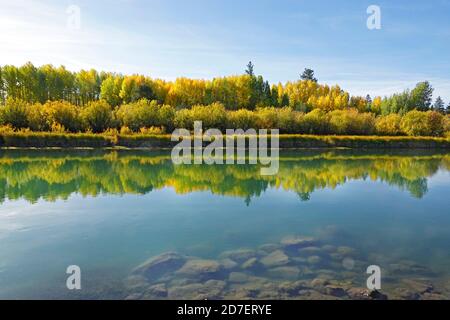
<point>14,113</point>
<point>250,69</point>
<point>439,105</point>
<point>422,96</point>
<point>11,82</point>
<point>368,102</point>
<point>64,114</point>
<point>145,91</point>
<point>110,90</point>
<point>308,74</point>
<point>97,116</point>
<point>2,88</point>
<point>88,86</point>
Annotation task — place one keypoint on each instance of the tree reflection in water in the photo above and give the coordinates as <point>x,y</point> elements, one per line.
<point>52,175</point>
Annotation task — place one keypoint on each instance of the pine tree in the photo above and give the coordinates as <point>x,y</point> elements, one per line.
<point>439,105</point>
<point>250,69</point>
<point>422,95</point>
<point>308,74</point>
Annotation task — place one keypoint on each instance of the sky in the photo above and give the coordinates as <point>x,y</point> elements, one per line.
<point>209,38</point>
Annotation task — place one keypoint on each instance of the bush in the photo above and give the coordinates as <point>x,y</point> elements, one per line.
<point>388,125</point>
<point>266,118</point>
<point>166,116</point>
<point>145,114</point>
<point>288,120</point>
<point>97,116</point>
<point>241,119</point>
<point>62,114</point>
<point>315,122</point>
<point>352,122</point>
<point>447,126</point>
<point>435,122</point>
<point>212,116</point>
<point>14,113</point>
<point>414,123</point>
<point>37,119</point>
<point>418,123</point>
<point>140,114</point>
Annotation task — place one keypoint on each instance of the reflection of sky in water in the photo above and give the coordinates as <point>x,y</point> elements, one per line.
<point>112,233</point>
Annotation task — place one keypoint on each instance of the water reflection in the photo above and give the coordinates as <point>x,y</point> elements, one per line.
<point>53,175</point>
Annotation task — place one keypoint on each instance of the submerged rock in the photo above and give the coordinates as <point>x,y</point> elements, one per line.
<point>434,296</point>
<point>377,295</point>
<point>160,265</point>
<point>335,291</point>
<point>297,242</point>
<point>359,293</point>
<point>420,286</point>
<point>310,251</point>
<point>408,267</point>
<point>228,264</point>
<point>158,291</point>
<point>212,289</point>
<point>136,283</point>
<point>275,259</point>
<point>329,248</point>
<point>346,251</point>
<point>319,282</point>
<point>134,296</point>
<point>239,256</point>
<point>293,288</point>
<point>314,260</point>
<point>251,264</point>
<point>238,277</point>
<point>268,248</point>
<point>288,273</point>
<point>200,269</point>
<point>242,294</point>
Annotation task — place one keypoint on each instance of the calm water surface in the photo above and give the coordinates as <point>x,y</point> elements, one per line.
<point>108,212</point>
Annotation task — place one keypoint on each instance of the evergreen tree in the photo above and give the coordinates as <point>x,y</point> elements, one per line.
<point>422,96</point>
<point>250,69</point>
<point>308,74</point>
<point>439,105</point>
<point>368,102</point>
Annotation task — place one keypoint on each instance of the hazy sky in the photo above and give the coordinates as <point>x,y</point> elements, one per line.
<point>207,38</point>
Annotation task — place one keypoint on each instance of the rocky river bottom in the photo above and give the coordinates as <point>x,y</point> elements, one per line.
<point>296,268</point>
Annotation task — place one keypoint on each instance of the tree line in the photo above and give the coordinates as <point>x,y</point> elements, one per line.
<point>247,91</point>
<point>54,99</point>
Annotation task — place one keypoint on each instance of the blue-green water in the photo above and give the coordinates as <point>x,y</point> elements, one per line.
<point>107,212</point>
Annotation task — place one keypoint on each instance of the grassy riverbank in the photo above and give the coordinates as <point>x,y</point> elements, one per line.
<point>288,141</point>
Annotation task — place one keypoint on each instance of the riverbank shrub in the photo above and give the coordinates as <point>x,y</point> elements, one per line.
<point>447,126</point>
<point>14,113</point>
<point>145,116</point>
<point>351,122</point>
<point>388,125</point>
<point>212,116</point>
<point>419,123</point>
<point>316,122</point>
<point>97,116</point>
<point>64,115</point>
